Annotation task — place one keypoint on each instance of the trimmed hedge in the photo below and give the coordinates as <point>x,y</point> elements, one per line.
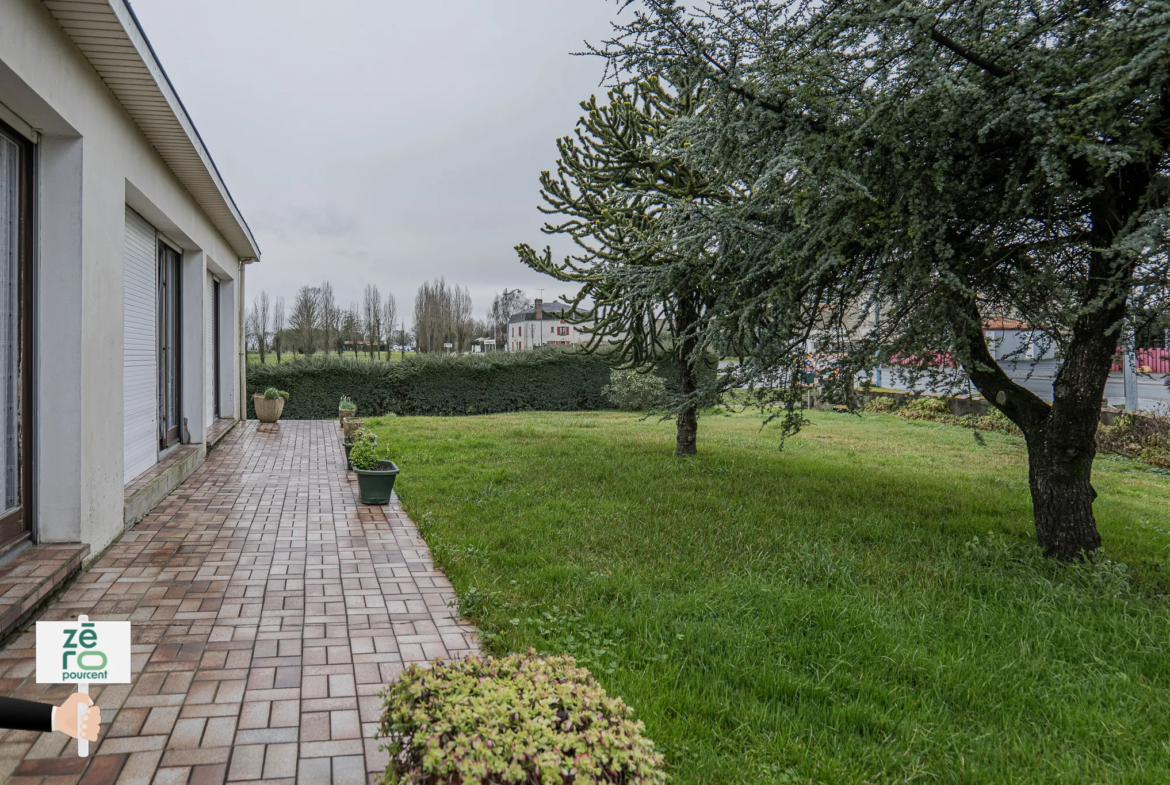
<point>548,380</point>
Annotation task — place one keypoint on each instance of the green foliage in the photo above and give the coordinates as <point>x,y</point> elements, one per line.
<point>440,384</point>
<point>515,719</point>
<point>635,391</point>
<point>931,409</point>
<point>364,455</point>
<point>271,394</point>
<point>347,404</point>
<point>1142,436</point>
<point>822,614</point>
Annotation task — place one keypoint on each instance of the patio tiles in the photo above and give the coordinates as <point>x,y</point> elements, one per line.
<point>269,609</point>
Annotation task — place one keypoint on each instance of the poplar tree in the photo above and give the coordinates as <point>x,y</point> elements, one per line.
<point>966,161</point>
<point>646,291</point>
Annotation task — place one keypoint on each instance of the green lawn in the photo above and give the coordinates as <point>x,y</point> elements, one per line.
<point>270,357</point>
<point>820,614</point>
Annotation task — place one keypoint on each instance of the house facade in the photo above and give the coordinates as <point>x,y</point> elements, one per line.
<point>122,258</point>
<point>544,326</point>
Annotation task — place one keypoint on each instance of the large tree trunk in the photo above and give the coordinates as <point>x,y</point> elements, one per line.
<point>1060,467</point>
<point>1061,438</point>
<point>687,434</point>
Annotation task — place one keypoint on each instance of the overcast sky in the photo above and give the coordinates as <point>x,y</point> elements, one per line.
<point>368,141</point>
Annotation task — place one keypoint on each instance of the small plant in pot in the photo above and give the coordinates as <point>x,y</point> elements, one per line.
<point>269,404</point>
<point>364,435</point>
<point>346,409</point>
<point>375,477</point>
<point>350,427</point>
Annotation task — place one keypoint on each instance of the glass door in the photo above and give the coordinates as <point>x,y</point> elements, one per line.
<point>15,337</point>
<point>169,333</point>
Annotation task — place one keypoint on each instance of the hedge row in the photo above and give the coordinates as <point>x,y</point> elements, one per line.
<point>549,380</point>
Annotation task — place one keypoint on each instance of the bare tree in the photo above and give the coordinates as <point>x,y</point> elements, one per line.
<point>251,328</point>
<point>442,314</point>
<point>260,312</point>
<point>504,305</point>
<point>461,322</point>
<point>278,328</point>
<point>305,318</point>
<point>389,320</point>
<point>372,316</point>
<point>351,327</point>
<point>329,314</point>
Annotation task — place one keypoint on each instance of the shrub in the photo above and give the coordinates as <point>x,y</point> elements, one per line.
<point>515,719</point>
<point>932,409</point>
<point>271,394</point>
<point>882,405</point>
<point>925,408</point>
<point>1142,436</point>
<point>635,391</point>
<point>548,380</point>
<point>364,455</point>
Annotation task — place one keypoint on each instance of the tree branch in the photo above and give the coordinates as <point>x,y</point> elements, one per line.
<point>946,41</point>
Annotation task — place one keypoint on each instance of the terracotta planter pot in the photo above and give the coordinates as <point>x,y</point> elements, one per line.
<point>268,410</point>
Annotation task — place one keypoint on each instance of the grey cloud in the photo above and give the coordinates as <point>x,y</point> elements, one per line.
<point>384,142</point>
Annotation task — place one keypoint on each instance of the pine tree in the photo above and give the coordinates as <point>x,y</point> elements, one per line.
<point>648,291</point>
<point>993,158</point>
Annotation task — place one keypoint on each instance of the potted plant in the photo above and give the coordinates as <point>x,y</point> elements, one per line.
<point>375,477</point>
<point>350,427</point>
<point>346,409</point>
<point>364,435</point>
<point>269,404</point>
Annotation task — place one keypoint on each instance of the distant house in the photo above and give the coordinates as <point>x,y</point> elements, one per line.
<point>544,325</point>
<point>122,258</point>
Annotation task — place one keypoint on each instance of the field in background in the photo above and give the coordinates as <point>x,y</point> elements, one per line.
<point>865,605</point>
<point>270,358</point>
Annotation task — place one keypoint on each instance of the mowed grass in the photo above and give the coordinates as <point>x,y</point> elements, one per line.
<point>864,606</point>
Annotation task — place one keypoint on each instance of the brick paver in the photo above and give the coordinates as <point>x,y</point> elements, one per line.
<point>268,610</point>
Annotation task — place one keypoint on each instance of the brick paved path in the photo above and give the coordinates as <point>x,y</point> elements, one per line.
<point>268,611</point>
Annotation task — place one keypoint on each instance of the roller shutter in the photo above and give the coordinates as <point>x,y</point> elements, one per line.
<point>209,348</point>
<point>140,351</point>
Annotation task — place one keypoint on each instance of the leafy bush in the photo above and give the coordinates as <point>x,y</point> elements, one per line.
<point>515,719</point>
<point>882,405</point>
<point>1142,436</point>
<point>364,455</point>
<point>635,391</point>
<point>932,409</point>
<point>271,394</point>
<point>548,380</point>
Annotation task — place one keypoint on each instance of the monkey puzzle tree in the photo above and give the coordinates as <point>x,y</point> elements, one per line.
<point>646,292</point>
<point>966,160</point>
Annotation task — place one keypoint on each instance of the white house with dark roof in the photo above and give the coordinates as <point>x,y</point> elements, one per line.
<point>122,259</point>
<point>545,325</point>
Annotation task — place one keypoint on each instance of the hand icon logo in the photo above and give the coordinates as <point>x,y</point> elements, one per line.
<point>65,718</point>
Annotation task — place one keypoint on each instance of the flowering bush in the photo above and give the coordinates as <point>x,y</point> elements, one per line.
<point>515,719</point>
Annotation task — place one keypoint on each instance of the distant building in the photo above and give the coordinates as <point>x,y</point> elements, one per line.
<point>544,326</point>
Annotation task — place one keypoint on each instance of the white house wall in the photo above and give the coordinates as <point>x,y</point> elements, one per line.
<point>93,162</point>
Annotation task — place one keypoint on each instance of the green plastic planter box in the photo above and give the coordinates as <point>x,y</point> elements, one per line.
<point>374,487</point>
